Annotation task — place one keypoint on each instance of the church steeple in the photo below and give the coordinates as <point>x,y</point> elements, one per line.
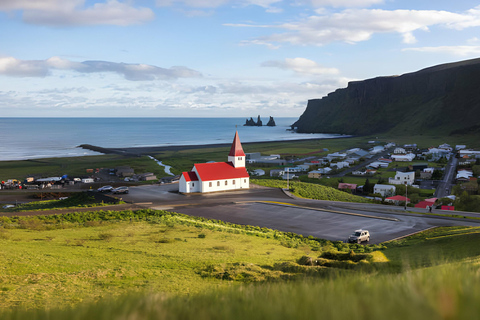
<point>236,155</point>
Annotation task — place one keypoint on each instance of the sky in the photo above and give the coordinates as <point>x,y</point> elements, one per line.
<point>215,58</point>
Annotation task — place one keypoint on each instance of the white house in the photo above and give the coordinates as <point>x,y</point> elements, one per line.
<point>384,189</point>
<point>402,178</point>
<point>400,157</point>
<point>377,149</point>
<point>399,151</point>
<point>218,176</point>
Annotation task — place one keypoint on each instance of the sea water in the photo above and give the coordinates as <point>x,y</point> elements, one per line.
<point>30,138</point>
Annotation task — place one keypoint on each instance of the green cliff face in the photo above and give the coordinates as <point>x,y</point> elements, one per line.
<point>444,99</point>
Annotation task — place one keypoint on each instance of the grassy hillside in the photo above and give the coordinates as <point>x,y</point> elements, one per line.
<point>161,269</point>
<point>310,190</point>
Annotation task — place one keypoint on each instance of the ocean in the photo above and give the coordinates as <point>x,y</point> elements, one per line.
<point>31,138</point>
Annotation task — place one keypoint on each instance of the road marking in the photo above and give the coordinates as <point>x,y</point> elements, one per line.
<point>284,204</point>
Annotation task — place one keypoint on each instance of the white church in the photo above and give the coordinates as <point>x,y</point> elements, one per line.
<point>218,176</point>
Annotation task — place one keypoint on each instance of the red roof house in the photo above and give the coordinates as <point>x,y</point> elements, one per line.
<point>397,199</point>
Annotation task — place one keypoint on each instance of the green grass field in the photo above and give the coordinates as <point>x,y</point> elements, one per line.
<point>166,266</point>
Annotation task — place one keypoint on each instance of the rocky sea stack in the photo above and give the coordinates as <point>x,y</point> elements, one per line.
<point>252,123</point>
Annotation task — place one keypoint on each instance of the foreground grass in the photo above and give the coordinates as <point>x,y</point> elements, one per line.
<point>160,265</point>
<point>445,292</point>
<point>54,261</point>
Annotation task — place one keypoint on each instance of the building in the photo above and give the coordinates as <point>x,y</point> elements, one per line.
<point>397,200</point>
<point>384,189</point>
<point>403,178</point>
<point>315,174</point>
<point>218,176</point>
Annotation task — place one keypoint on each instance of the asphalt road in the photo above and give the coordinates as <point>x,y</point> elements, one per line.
<point>272,208</point>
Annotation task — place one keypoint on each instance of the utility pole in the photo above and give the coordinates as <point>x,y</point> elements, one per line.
<point>406,195</point>
<point>287,179</point>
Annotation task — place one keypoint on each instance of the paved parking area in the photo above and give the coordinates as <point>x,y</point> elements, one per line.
<point>322,219</point>
<point>321,224</point>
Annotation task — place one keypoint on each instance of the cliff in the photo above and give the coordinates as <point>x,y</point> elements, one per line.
<point>442,99</point>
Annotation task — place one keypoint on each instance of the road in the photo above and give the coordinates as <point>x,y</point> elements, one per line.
<point>272,208</point>
<point>445,186</point>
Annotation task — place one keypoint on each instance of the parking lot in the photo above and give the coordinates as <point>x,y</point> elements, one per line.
<point>322,219</point>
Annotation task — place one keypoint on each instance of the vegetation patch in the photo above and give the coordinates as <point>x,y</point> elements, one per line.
<point>311,191</point>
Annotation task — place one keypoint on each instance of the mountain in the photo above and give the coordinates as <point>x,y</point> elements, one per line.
<point>443,99</point>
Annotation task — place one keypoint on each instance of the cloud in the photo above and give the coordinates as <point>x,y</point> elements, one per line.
<point>74,12</point>
<point>343,3</point>
<point>301,66</point>
<point>10,66</point>
<point>356,25</point>
<point>461,51</point>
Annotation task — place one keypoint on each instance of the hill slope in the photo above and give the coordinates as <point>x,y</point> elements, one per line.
<point>441,99</point>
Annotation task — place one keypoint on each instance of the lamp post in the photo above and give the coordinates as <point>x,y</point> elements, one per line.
<point>406,196</point>
<point>287,179</point>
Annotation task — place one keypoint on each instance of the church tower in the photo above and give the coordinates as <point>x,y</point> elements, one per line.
<point>236,155</point>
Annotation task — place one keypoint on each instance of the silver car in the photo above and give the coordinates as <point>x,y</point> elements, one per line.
<point>359,236</point>
<point>120,190</point>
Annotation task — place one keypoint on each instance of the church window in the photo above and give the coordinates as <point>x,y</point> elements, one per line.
<point>233,182</point>
<point>218,183</point>
<point>226,182</point>
<point>210,184</point>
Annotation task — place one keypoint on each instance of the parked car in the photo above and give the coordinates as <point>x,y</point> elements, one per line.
<point>359,236</point>
<point>8,206</point>
<point>120,190</point>
<point>105,189</point>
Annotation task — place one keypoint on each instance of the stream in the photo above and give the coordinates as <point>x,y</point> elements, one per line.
<point>167,168</point>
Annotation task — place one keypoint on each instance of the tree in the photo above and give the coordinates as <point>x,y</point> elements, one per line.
<point>368,187</point>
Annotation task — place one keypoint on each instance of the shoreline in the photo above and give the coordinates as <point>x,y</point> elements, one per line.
<point>140,151</point>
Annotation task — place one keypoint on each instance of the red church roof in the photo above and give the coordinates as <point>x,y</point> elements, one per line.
<point>190,176</point>
<point>219,171</point>
<point>236,150</point>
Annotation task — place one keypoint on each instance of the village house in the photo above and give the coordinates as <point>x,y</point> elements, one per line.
<point>315,174</point>
<point>397,200</point>
<point>403,157</point>
<point>403,178</point>
<point>218,176</point>
<point>384,189</point>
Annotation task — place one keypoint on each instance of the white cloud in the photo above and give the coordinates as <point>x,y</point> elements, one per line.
<point>74,12</point>
<point>301,66</point>
<point>344,3</point>
<point>356,25</point>
<point>10,66</point>
<point>462,51</point>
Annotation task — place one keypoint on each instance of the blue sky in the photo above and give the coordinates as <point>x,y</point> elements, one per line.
<point>214,58</point>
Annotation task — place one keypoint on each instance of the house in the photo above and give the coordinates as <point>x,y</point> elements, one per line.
<point>377,149</point>
<point>403,178</point>
<point>378,164</point>
<point>426,203</point>
<point>397,199</point>
<point>276,172</point>
<point>399,151</point>
<point>403,157</point>
<point>218,176</point>
<point>124,171</point>
<point>340,165</point>
<point>258,172</point>
<point>345,186</point>
<point>149,176</point>
<point>324,170</point>
<point>384,189</point>
<point>315,174</point>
